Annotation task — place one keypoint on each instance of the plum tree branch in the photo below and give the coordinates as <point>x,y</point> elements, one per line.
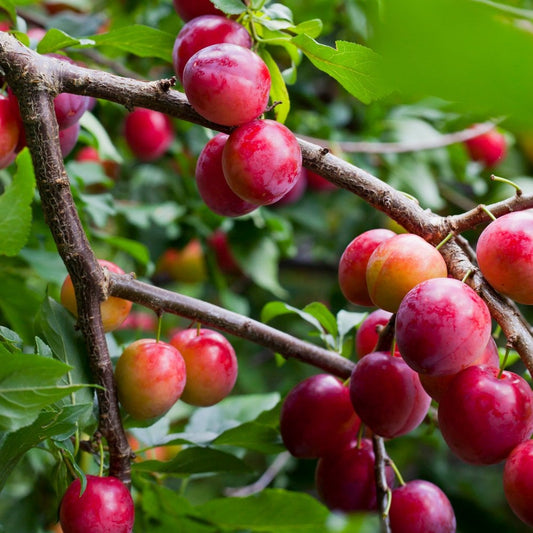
<point>32,83</point>
<point>158,299</point>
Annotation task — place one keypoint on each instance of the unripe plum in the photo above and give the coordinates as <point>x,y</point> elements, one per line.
<point>387,395</point>
<point>261,161</point>
<point>186,265</point>
<point>211,364</point>
<point>488,148</point>
<point>150,378</point>
<point>189,9</point>
<point>227,84</point>
<point>367,336</point>
<point>317,417</point>
<point>397,265</point>
<point>212,184</point>
<point>436,385</point>
<point>345,480</point>
<point>204,31</point>
<point>353,264</point>
<point>505,255</point>
<point>421,507</point>
<point>113,310</point>
<point>106,506</point>
<point>148,133</point>
<point>442,326</point>
<point>518,481</point>
<point>484,415</point>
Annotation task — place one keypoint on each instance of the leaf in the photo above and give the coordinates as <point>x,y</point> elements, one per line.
<point>347,320</point>
<point>278,89</point>
<point>134,248</point>
<point>50,423</point>
<point>56,326</point>
<point>28,383</point>
<point>230,7</point>
<point>15,207</point>
<point>252,436</point>
<point>139,40</point>
<point>19,303</point>
<point>196,460</point>
<point>274,309</point>
<point>55,39</point>
<point>106,148</point>
<point>357,68</point>
<point>270,510</point>
<point>312,28</point>
<point>323,315</point>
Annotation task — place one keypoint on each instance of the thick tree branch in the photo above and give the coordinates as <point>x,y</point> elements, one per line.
<point>33,85</point>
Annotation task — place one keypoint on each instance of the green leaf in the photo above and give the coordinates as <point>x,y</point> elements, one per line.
<point>28,383</point>
<point>252,436</point>
<point>106,148</point>
<point>19,303</point>
<point>278,89</point>
<point>134,248</point>
<point>230,7</point>
<point>357,68</point>
<point>139,40</point>
<point>15,207</point>
<point>312,28</point>
<point>324,316</point>
<point>55,39</point>
<point>56,326</point>
<point>274,309</point>
<point>270,510</point>
<point>196,460</point>
<point>50,423</point>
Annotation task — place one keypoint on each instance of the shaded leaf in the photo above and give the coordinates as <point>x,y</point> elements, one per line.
<point>15,207</point>
<point>357,68</point>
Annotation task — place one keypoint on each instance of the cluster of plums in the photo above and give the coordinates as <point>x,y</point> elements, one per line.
<point>227,83</point>
<point>443,351</point>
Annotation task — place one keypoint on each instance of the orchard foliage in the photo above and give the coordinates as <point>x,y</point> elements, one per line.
<point>278,206</point>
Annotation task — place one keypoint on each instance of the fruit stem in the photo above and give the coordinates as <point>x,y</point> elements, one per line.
<point>450,235</point>
<point>159,324</point>
<point>465,277</point>
<point>396,471</point>
<point>101,451</point>
<point>360,434</point>
<point>389,501</point>
<point>484,208</point>
<point>508,182</point>
<point>504,361</point>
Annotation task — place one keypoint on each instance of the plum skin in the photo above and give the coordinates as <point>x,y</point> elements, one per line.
<point>211,364</point>
<point>227,84</point>
<point>261,161</point>
<point>150,378</point>
<point>505,255</point>
<point>106,506</point>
